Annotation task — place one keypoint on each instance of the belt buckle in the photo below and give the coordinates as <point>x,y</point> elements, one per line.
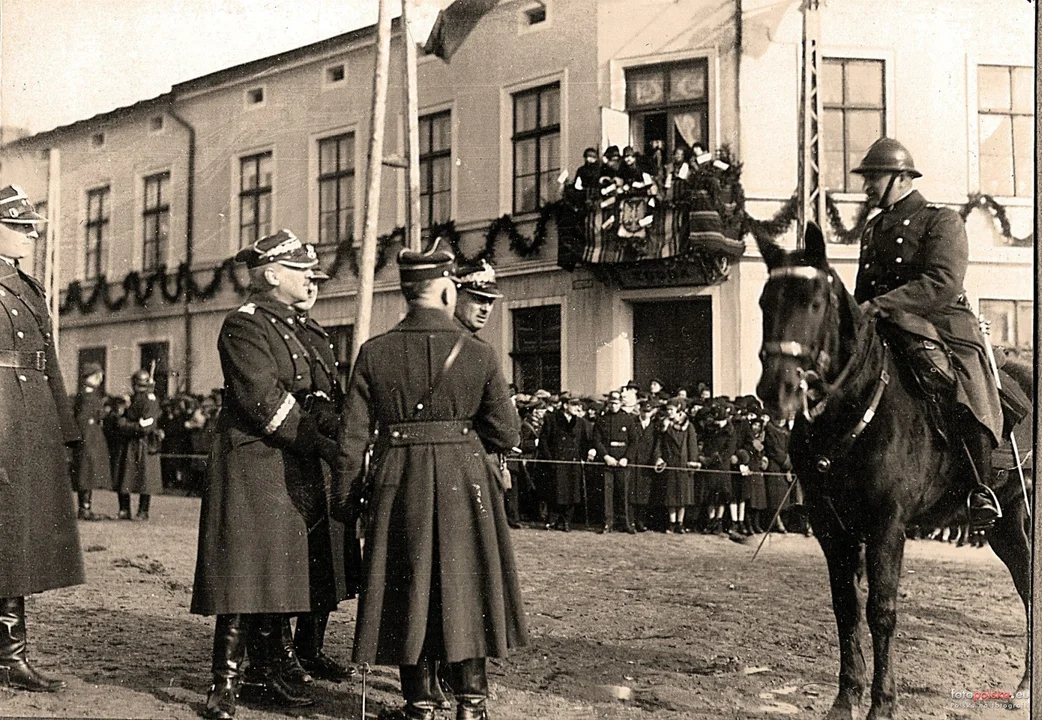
<point>41,360</point>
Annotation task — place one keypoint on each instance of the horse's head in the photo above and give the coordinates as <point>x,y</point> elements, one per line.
<point>800,323</point>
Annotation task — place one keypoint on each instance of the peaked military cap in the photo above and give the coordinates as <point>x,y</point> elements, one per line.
<point>478,278</point>
<point>283,248</point>
<point>90,368</point>
<point>15,208</point>
<point>435,262</point>
<point>612,152</point>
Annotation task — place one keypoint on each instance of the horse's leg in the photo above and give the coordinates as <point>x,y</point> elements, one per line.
<point>883,556</point>
<point>842,556</point>
<point>1009,540</point>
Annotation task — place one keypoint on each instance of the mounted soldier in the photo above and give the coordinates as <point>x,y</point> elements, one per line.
<point>913,262</point>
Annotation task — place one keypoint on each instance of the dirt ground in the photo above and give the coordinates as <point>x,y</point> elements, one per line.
<point>686,626</point>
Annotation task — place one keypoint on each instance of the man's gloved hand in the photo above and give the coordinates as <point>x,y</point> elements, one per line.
<point>610,461</point>
<point>870,309</point>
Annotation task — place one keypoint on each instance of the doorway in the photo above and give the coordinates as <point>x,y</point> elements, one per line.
<point>673,342</point>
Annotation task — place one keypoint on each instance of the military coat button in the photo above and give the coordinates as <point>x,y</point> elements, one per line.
<point>14,311</point>
<point>898,260</point>
<point>22,378</point>
<point>20,334</point>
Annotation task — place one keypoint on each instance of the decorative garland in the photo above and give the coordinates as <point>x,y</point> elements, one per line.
<point>181,282</point>
<point>998,212</point>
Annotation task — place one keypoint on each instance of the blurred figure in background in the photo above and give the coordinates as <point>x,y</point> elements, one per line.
<point>90,464</point>
<point>139,469</point>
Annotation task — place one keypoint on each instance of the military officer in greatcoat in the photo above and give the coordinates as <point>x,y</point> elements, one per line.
<point>614,434</point>
<point>39,542</point>
<point>264,481</point>
<point>913,261</point>
<point>334,552</point>
<point>440,580</point>
<point>138,467</point>
<point>90,464</point>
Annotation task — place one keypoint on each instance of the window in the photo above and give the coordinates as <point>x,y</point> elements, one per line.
<point>336,189</point>
<point>435,168</point>
<point>255,96</point>
<point>669,103</point>
<point>853,117</point>
<point>155,357</point>
<point>156,219</point>
<point>1005,100</point>
<point>97,231</point>
<point>97,140</point>
<point>155,124</point>
<point>537,147</point>
<point>335,74</point>
<point>1012,322</point>
<point>341,337</point>
<point>97,355</point>
<point>40,246</point>
<point>254,198</point>
<point>537,348</point>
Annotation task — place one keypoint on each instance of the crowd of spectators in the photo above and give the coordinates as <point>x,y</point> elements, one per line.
<point>677,464</point>
<point>186,422</point>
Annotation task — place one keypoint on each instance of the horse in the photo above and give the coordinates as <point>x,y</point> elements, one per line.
<point>867,456</point>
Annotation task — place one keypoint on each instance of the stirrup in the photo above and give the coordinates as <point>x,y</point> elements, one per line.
<point>985,524</point>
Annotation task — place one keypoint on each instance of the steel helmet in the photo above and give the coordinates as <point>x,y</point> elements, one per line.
<point>142,378</point>
<point>887,156</point>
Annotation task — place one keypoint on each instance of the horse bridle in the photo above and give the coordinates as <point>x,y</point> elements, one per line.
<point>819,357</point>
<point>816,354</point>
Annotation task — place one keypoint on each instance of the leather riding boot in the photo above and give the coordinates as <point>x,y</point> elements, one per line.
<point>15,670</point>
<point>471,685</point>
<point>981,504</point>
<point>264,682</point>
<point>228,652</point>
<point>289,663</point>
<point>416,689</point>
<point>309,640</point>
<point>440,683</point>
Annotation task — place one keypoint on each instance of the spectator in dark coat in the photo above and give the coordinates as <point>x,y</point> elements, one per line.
<point>779,468</point>
<point>90,466</point>
<point>139,469</point>
<point>613,435</point>
<point>719,445</point>
<point>676,449</point>
<point>642,452</point>
<point>39,541</point>
<point>566,435</point>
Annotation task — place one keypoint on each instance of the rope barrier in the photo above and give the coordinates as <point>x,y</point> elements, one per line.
<point>656,468</point>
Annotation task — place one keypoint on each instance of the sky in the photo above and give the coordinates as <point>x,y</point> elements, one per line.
<point>66,60</point>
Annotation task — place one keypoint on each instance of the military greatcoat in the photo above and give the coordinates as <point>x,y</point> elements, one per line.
<point>913,259</point>
<point>438,549</point>
<point>335,555</point>
<point>264,471</point>
<point>90,467</point>
<point>139,469</point>
<point>565,437</point>
<point>39,542</point>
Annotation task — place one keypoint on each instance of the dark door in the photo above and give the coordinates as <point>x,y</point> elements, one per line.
<point>673,342</point>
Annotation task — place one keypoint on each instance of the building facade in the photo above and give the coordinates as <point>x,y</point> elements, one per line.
<point>195,174</point>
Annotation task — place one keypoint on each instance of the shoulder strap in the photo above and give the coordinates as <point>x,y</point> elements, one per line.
<point>436,382</point>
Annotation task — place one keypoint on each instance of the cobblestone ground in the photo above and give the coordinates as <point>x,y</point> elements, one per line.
<point>682,626</point>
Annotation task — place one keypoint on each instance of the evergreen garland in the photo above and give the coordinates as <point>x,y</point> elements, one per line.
<point>982,201</point>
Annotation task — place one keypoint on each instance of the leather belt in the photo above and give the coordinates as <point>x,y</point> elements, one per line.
<point>616,443</point>
<point>434,432</point>
<point>30,360</point>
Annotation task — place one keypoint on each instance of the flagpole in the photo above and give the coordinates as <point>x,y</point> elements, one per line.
<point>52,247</point>
<point>412,114</point>
<point>367,265</point>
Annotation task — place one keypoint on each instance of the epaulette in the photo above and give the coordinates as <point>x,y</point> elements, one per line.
<point>249,308</point>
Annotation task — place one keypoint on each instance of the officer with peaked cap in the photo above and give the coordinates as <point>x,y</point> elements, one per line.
<point>262,481</point>
<point>913,263</point>
<point>440,581</point>
<point>477,294</point>
<point>39,544</point>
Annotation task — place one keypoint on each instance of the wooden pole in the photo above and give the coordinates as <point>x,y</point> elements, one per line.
<point>367,266</point>
<point>811,197</point>
<point>52,251</point>
<point>412,114</point>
